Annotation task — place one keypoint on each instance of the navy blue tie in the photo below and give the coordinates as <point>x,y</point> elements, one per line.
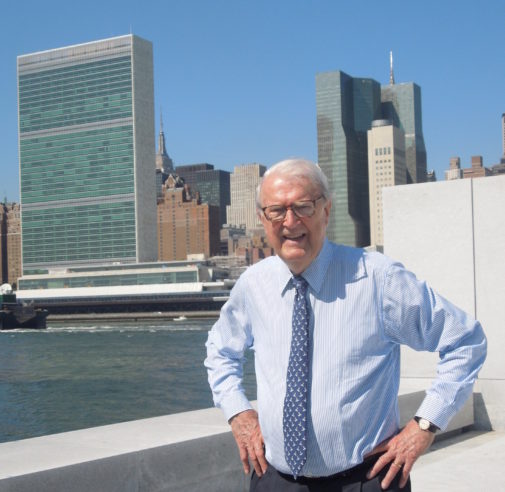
<point>295,402</point>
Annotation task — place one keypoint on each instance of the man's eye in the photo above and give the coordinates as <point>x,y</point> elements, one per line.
<point>276,211</point>
<point>303,209</point>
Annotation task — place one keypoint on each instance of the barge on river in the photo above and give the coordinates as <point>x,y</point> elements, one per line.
<point>15,315</point>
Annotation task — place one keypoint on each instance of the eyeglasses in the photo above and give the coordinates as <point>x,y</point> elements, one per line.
<point>302,209</point>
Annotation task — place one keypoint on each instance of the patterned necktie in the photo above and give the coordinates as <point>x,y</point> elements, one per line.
<point>295,403</point>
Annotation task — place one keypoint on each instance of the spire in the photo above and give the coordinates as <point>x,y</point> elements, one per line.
<point>391,74</point>
<point>161,138</point>
<point>163,161</point>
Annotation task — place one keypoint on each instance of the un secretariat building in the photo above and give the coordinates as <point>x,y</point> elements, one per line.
<point>87,164</point>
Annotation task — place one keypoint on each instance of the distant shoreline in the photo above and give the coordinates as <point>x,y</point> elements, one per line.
<point>152,316</point>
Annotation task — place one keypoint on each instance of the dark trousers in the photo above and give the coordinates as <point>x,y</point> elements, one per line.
<point>352,480</point>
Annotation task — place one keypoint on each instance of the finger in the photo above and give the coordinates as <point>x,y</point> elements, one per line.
<point>405,474</point>
<point>393,470</point>
<point>379,465</point>
<point>254,458</point>
<point>244,459</point>
<point>404,480</point>
<point>262,459</point>
<point>257,467</point>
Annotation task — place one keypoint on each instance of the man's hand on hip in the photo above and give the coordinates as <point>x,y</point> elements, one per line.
<point>247,433</point>
<point>401,452</point>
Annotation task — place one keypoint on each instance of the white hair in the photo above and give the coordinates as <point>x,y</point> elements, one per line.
<point>297,169</point>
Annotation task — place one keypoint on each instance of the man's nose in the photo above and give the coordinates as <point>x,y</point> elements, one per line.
<point>291,218</point>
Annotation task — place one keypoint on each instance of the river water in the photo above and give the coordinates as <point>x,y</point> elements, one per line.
<point>73,377</point>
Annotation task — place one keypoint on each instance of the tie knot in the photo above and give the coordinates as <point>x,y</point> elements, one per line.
<point>300,284</point>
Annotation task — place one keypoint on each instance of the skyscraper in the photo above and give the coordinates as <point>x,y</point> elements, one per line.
<point>86,133</point>
<point>401,103</point>
<point>164,165</point>
<point>242,208</point>
<point>163,161</point>
<point>386,167</point>
<point>346,107</point>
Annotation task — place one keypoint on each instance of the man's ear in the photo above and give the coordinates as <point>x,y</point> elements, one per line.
<point>327,209</point>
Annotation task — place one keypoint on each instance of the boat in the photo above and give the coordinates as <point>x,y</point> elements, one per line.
<point>180,318</point>
<point>15,315</point>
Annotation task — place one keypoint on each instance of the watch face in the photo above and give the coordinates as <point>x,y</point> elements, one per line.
<point>424,424</point>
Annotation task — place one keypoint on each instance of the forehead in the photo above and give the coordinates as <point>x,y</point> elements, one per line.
<point>278,188</point>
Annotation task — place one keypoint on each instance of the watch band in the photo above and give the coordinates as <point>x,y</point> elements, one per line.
<point>426,425</point>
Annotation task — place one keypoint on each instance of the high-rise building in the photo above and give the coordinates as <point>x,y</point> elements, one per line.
<point>10,243</point>
<point>401,103</point>
<point>163,161</point>
<point>87,163</point>
<point>243,183</point>
<point>346,107</point>
<point>213,185</point>
<point>185,225</point>
<point>164,165</point>
<point>386,167</point>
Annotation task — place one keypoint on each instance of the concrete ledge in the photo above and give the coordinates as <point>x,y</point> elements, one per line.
<point>179,452</point>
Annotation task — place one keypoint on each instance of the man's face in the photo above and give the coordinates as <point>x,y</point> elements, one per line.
<point>297,241</point>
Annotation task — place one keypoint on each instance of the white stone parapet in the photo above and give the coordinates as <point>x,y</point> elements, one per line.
<point>191,451</point>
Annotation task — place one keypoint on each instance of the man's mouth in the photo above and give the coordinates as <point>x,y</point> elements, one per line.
<point>293,237</point>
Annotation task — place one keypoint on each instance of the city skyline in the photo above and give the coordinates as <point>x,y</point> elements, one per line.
<point>236,81</point>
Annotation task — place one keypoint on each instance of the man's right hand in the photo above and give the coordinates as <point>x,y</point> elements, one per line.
<point>247,433</point>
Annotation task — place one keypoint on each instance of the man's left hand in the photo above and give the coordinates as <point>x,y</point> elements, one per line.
<point>401,452</point>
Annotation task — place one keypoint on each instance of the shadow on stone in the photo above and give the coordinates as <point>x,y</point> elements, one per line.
<point>481,417</point>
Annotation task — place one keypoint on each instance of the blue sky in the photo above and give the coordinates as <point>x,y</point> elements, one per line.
<point>236,79</point>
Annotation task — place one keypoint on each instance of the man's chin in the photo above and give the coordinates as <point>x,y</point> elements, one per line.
<point>295,258</point>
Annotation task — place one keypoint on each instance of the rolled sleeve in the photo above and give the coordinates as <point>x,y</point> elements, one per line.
<point>415,315</point>
<point>226,344</point>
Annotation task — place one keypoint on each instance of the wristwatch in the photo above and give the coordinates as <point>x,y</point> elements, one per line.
<point>426,425</point>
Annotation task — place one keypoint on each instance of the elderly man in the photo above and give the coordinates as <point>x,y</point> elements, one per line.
<point>326,323</point>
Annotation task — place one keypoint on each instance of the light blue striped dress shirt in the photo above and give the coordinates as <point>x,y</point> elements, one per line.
<point>363,306</point>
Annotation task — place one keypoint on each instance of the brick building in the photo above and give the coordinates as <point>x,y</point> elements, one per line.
<point>10,243</point>
<point>185,225</point>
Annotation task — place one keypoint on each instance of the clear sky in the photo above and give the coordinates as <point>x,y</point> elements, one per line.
<point>236,79</point>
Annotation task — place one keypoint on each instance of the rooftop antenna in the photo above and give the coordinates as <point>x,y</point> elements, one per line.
<point>161,120</point>
<point>391,74</point>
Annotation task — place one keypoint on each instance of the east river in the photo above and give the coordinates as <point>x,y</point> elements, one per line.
<point>74,377</point>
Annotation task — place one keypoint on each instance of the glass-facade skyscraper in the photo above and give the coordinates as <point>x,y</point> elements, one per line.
<point>346,106</point>
<point>87,162</point>
<point>401,103</point>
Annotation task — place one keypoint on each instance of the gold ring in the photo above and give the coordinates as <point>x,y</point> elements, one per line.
<point>396,464</point>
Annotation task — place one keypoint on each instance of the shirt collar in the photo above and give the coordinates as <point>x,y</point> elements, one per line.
<point>318,269</point>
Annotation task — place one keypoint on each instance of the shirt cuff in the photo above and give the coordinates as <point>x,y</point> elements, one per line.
<point>235,403</point>
<point>437,411</point>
